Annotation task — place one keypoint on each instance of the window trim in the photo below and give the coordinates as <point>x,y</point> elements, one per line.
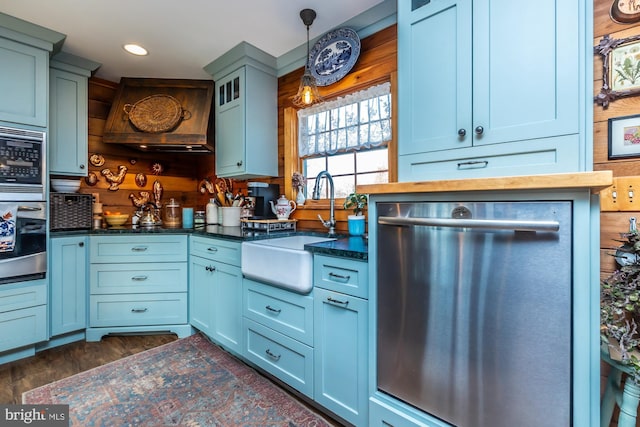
<point>293,163</point>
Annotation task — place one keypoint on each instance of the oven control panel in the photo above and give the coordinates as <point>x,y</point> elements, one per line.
<point>20,161</point>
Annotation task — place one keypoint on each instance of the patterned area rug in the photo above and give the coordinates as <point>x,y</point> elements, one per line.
<point>188,382</point>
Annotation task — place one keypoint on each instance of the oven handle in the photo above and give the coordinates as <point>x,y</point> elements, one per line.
<point>29,208</point>
<point>485,224</point>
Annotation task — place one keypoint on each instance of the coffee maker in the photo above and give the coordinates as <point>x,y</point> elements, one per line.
<point>262,193</point>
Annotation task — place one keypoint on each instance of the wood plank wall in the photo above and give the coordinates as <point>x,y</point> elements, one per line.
<point>182,172</point>
<point>611,223</point>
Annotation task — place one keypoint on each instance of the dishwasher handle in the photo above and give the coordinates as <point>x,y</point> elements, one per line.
<point>484,224</point>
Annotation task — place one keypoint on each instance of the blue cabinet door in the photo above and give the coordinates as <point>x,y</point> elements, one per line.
<point>23,83</point>
<point>435,78</point>
<point>341,354</point>
<point>201,294</point>
<point>68,127</point>
<point>68,281</point>
<point>526,68</point>
<point>227,307</point>
<point>215,301</point>
<point>230,124</point>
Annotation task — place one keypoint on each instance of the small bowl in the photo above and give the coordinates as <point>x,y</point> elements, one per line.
<point>65,185</point>
<point>115,220</point>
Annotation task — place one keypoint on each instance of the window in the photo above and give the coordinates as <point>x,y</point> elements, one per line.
<point>348,138</point>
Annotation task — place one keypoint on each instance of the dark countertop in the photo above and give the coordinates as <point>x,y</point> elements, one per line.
<point>344,246</point>
<point>355,247</point>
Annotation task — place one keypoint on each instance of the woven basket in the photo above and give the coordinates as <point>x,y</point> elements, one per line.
<point>156,113</point>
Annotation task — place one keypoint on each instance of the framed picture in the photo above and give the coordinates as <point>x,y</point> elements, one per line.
<point>620,68</point>
<point>624,137</point>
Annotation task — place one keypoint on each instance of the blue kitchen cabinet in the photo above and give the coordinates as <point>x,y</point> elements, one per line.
<point>278,333</point>
<point>341,354</point>
<point>215,291</point>
<point>23,318</point>
<point>68,284</point>
<point>68,114</point>
<point>24,71</point>
<point>138,284</point>
<point>246,120</point>
<point>341,337</point>
<point>493,88</point>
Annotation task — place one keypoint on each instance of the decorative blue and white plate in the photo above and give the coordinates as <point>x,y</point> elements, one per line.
<point>334,55</point>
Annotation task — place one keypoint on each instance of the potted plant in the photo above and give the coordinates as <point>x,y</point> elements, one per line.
<point>620,306</point>
<point>357,202</point>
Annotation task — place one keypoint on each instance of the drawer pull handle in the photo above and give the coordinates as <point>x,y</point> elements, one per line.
<point>337,301</point>
<point>275,357</point>
<point>212,249</point>
<point>273,310</point>
<point>139,248</point>
<point>477,164</point>
<point>210,268</point>
<point>339,277</point>
<point>139,278</point>
<point>138,310</point>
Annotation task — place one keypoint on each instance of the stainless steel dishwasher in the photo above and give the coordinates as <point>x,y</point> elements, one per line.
<point>474,310</point>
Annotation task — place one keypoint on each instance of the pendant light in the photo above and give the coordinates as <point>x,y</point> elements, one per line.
<point>308,91</point>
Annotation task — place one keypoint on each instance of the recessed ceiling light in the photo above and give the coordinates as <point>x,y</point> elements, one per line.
<point>135,49</point>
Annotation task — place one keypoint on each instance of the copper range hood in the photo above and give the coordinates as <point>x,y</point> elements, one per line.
<point>162,115</point>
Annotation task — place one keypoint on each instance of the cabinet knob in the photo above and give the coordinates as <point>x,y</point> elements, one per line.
<point>479,130</point>
<point>81,166</point>
<point>81,244</point>
<point>462,132</point>
<point>239,163</point>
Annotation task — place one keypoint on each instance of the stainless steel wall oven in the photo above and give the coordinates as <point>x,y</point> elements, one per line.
<point>22,164</point>
<point>23,244</point>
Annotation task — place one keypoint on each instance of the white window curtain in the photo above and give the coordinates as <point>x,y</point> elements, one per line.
<point>358,120</point>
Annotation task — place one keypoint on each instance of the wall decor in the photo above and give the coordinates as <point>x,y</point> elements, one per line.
<point>624,12</point>
<point>624,137</point>
<point>141,179</point>
<point>334,55</point>
<point>96,160</point>
<point>157,168</point>
<point>114,179</point>
<point>91,179</point>
<point>141,199</point>
<point>156,113</point>
<point>620,68</point>
<point>157,193</point>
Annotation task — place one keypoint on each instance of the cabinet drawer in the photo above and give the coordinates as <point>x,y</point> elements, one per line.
<point>23,327</point>
<point>550,155</point>
<point>286,358</point>
<point>129,249</point>
<point>384,414</point>
<point>20,295</point>
<point>341,275</point>
<point>288,313</point>
<point>138,309</point>
<point>225,251</point>
<point>138,278</point>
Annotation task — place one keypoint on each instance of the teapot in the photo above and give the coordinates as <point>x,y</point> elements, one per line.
<point>283,208</point>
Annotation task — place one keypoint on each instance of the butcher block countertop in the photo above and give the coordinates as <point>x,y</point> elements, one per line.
<point>596,181</point>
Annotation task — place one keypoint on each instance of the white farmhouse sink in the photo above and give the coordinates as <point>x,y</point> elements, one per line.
<point>281,261</point>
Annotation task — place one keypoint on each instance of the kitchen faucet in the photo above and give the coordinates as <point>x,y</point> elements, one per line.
<point>331,224</point>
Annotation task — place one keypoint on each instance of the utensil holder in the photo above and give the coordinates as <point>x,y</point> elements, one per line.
<point>231,216</point>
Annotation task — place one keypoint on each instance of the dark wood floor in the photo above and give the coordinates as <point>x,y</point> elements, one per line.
<point>60,362</point>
